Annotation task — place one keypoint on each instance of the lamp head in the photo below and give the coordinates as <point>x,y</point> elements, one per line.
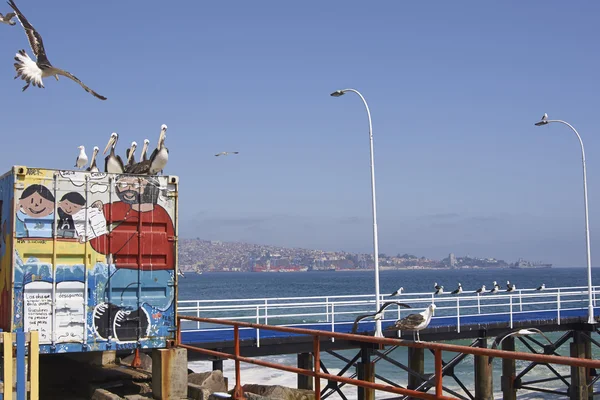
<point>338,93</point>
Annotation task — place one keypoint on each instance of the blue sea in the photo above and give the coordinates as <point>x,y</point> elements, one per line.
<point>214,286</point>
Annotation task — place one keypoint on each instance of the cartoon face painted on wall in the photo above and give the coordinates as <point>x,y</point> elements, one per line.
<point>35,217</point>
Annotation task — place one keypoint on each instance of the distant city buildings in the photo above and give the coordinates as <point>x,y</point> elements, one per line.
<point>207,255</point>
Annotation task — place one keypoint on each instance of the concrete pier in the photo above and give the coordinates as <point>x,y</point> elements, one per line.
<point>305,361</point>
<point>169,373</point>
<point>484,388</point>
<point>509,392</point>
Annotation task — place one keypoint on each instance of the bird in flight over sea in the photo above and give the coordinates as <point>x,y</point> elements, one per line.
<point>378,314</point>
<point>226,153</point>
<point>7,19</point>
<point>33,72</point>
<point>518,333</point>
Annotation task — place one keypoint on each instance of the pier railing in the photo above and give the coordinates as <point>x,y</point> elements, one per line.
<point>331,312</point>
<point>435,381</point>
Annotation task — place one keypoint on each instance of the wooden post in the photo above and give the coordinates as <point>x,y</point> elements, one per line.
<point>509,392</point>
<point>484,388</point>
<point>416,363</point>
<point>305,361</point>
<point>587,343</point>
<point>578,388</point>
<point>217,365</point>
<point>365,372</point>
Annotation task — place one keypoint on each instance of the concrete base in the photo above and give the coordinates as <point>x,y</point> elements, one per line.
<point>169,374</point>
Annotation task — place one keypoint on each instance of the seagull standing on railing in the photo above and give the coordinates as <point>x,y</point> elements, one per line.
<point>541,287</point>
<point>480,290</point>
<point>496,288</point>
<point>517,333</point>
<point>378,315</point>
<point>415,322</point>
<point>439,290</point>
<point>458,290</point>
<point>398,292</point>
<point>509,287</point>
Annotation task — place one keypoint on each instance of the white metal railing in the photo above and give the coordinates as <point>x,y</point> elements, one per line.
<point>334,310</point>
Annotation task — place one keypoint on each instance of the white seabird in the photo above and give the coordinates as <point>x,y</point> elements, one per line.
<point>378,315</point>
<point>225,153</point>
<point>542,287</point>
<point>509,287</point>
<point>398,292</point>
<point>33,72</point>
<point>82,159</point>
<point>458,290</point>
<point>480,290</point>
<point>496,288</point>
<point>439,290</point>
<point>415,322</point>
<point>160,155</point>
<point>7,19</point>
<point>93,167</point>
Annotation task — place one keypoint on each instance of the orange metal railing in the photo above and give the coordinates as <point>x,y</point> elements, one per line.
<point>437,348</point>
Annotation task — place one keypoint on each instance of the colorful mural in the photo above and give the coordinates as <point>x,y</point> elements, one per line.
<point>103,248</point>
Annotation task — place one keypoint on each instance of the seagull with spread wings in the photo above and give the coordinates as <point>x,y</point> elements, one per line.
<point>378,315</point>
<point>226,153</point>
<point>33,72</point>
<point>7,19</point>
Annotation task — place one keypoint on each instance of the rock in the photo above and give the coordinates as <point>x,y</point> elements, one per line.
<point>103,394</point>
<point>212,381</point>
<point>252,396</point>
<point>197,392</point>
<point>279,392</point>
<point>144,358</point>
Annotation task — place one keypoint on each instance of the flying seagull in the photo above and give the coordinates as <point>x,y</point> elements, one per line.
<point>82,159</point>
<point>517,333</point>
<point>415,322</point>
<point>7,19</point>
<point>378,314</point>
<point>93,167</point>
<point>542,287</point>
<point>225,153</point>
<point>398,292</point>
<point>458,290</point>
<point>480,290</point>
<point>33,72</point>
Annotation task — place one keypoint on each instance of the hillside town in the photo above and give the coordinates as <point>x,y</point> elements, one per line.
<point>206,256</point>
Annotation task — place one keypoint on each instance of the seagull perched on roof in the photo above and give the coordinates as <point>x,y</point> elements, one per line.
<point>458,290</point>
<point>378,314</point>
<point>33,72</point>
<point>82,159</point>
<point>480,290</point>
<point>225,153</point>
<point>7,19</point>
<point>517,333</point>
<point>542,287</point>
<point>414,322</point>
<point>398,292</point>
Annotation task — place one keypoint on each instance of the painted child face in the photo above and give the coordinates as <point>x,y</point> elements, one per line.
<point>36,206</point>
<point>69,208</point>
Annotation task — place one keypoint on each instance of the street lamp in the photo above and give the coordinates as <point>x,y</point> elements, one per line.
<point>339,93</point>
<point>546,121</point>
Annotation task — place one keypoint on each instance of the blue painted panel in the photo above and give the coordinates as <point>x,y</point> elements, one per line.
<point>21,375</point>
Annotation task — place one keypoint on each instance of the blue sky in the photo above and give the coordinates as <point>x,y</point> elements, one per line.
<point>454,89</point>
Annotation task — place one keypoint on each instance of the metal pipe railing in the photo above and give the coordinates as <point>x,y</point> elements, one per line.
<point>437,349</point>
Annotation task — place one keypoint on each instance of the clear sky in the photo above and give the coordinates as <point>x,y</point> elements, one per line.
<point>454,89</point>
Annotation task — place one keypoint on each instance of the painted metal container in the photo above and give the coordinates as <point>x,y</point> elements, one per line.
<point>89,260</point>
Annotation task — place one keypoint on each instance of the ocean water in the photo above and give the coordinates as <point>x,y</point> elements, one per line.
<point>213,286</point>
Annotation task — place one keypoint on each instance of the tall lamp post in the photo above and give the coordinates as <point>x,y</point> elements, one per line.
<point>546,121</point>
<point>339,93</point>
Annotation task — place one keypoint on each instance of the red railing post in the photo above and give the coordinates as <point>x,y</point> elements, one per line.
<point>317,361</point>
<point>238,394</point>
<point>438,373</point>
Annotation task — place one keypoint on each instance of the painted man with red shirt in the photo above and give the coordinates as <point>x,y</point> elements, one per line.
<point>138,211</point>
